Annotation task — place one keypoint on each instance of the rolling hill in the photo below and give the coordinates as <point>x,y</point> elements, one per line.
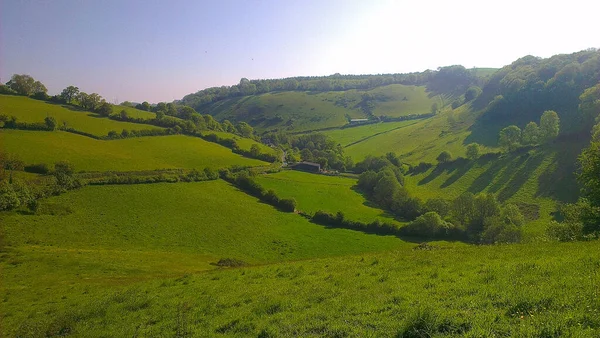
<point>29,110</point>
<point>141,153</point>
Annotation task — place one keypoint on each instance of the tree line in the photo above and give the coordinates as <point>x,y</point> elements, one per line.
<point>443,80</point>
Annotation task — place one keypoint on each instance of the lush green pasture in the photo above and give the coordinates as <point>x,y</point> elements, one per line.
<point>542,290</point>
<point>348,136</point>
<point>289,111</point>
<point>243,142</point>
<point>101,237</point>
<point>141,153</point>
<point>30,110</point>
<point>319,192</point>
<point>304,111</point>
<point>400,100</point>
<point>422,141</point>
<point>135,113</point>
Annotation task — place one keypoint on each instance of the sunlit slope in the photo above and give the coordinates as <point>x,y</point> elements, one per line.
<point>541,290</point>
<point>303,111</point>
<point>328,193</point>
<point>422,141</point>
<point>141,153</point>
<point>29,110</point>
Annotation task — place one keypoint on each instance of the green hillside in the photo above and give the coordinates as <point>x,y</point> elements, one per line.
<point>133,112</point>
<point>327,193</point>
<point>101,237</point>
<point>141,153</point>
<point>29,110</point>
<point>301,111</point>
<point>242,142</point>
<point>449,291</point>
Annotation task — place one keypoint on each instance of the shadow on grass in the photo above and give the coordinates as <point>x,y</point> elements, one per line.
<point>521,176</point>
<point>462,166</point>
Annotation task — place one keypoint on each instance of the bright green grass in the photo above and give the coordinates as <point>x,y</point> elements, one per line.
<point>328,193</point>
<point>542,290</point>
<point>299,111</point>
<point>141,153</point>
<point>390,100</point>
<point>112,235</point>
<point>243,142</point>
<point>29,110</point>
<point>422,141</point>
<point>305,111</point>
<point>352,135</point>
<point>540,176</point>
<point>135,113</point>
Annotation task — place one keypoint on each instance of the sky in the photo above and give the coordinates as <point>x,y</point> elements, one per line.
<point>156,51</point>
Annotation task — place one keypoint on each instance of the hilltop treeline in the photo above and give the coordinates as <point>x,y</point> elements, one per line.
<point>522,91</point>
<point>449,79</point>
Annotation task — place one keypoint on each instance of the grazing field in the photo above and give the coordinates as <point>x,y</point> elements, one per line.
<point>286,111</point>
<point>141,153</point>
<point>422,141</point>
<point>315,192</point>
<point>102,237</point>
<point>30,110</point>
<point>133,112</point>
<point>348,136</point>
<point>400,100</point>
<point>541,290</point>
<point>243,142</point>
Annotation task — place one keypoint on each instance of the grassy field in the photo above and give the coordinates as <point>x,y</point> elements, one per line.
<point>542,290</point>
<point>142,153</point>
<point>30,110</point>
<point>348,136</point>
<point>319,192</point>
<point>304,111</point>
<point>243,142</point>
<point>102,237</point>
<point>422,141</point>
<point>135,113</point>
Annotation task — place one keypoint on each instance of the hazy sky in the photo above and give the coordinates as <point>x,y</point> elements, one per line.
<point>163,50</point>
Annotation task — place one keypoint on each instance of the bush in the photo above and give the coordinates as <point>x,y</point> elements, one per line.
<point>288,205</point>
<point>498,231</point>
<point>431,225</point>
<point>565,232</point>
<point>41,168</point>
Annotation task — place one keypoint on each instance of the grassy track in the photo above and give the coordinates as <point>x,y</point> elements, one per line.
<point>142,153</point>
<point>30,110</point>
<point>319,192</point>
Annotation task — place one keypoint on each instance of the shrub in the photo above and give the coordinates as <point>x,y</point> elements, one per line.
<point>288,205</point>
<point>498,231</point>
<point>432,225</point>
<point>41,168</point>
<point>444,157</point>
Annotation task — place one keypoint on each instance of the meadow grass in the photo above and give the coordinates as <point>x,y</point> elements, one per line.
<point>390,100</point>
<point>347,136</point>
<point>29,110</point>
<point>133,112</point>
<point>542,290</point>
<point>422,141</point>
<point>287,111</point>
<point>315,192</point>
<point>141,153</point>
<point>107,236</point>
<point>306,111</point>
<point>243,142</point>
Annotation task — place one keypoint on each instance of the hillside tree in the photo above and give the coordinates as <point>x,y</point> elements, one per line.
<point>473,151</point>
<point>444,157</point>
<point>531,134</point>
<point>69,94</point>
<point>549,125</point>
<point>50,122</point>
<point>24,84</point>
<point>510,137</point>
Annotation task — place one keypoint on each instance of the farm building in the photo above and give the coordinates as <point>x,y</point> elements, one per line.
<point>307,166</point>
